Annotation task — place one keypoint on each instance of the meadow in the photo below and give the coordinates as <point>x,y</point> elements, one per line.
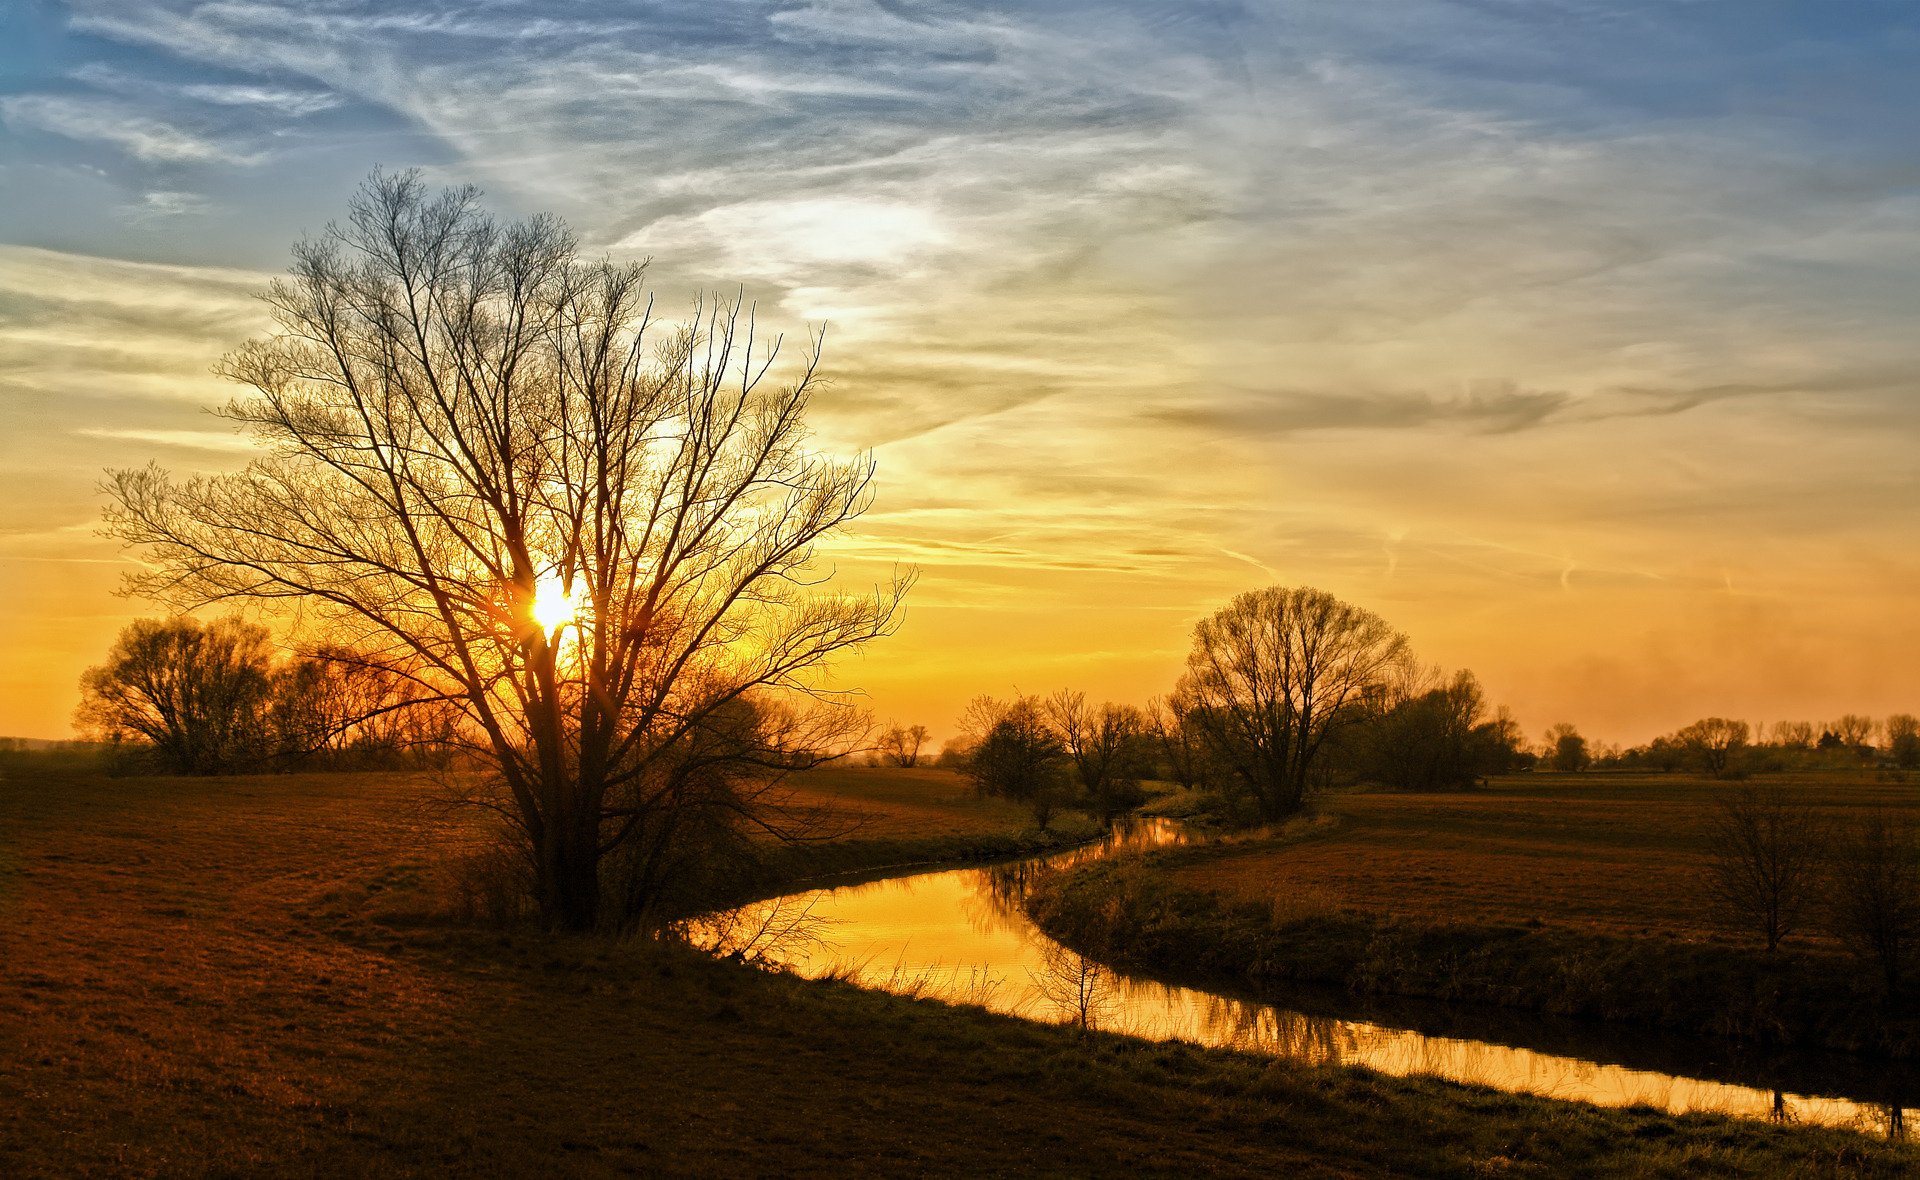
<point>259,976</point>
<point>1618,854</point>
<point>1577,895</point>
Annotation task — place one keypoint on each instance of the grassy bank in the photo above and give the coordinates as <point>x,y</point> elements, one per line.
<point>878,819</point>
<point>253,976</point>
<point>1578,896</point>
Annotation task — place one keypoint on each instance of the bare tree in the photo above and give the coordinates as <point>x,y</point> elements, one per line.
<point>336,707</point>
<point>1713,743</point>
<point>1104,742</point>
<point>1767,851</point>
<point>1566,749</point>
<point>1079,988</point>
<point>900,745</point>
<point>1903,740</point>
<point>1794,735</point>
<point>1182,746</point>
<point>1273,674</point>
<point>1874,892</point>
<point>484,464</point>
<point>1018,756</point>
<point>198,693</point>
<point>1854,730</point>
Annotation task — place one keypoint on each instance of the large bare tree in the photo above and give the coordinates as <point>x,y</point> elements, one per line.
<point>1273,674</point>
<point>484,462</point>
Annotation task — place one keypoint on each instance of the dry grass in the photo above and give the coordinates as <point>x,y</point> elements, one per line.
<point>890,803</point>
<point>245,977</point>
<point>1613,854</point>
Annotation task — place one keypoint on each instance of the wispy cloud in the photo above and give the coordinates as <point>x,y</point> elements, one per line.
<point>119,124</point>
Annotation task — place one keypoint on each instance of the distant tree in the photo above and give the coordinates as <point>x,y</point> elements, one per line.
<point>1793,735</point>
<point>1276,672</point>
<point>900,745</point>
<point>1428,741</point>
<point>1767,848</point>
<point>1019,756</point>
<point>1106,744</point>
<point>1180,743</point>
<point>1854,730</point>
<point>1713,744</point>
<point>1502,747</point>
<point>1874,892</point>
<point>1903,740</point>
<point>197,693</point>
<point>339,708</point>
<point>1566,749</point>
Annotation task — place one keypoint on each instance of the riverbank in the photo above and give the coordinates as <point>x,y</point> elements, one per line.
<point>880,821</point>
<point>257,976</point>
<point>1319,906</point>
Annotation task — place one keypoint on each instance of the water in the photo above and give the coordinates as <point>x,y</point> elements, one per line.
<point>961,935</point>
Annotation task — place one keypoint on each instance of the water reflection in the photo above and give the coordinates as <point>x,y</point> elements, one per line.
<point>962,936</point>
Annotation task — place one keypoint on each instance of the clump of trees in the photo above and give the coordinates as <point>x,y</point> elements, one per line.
<point>1059,751</point>
<point>1434,734</point>
<point>1286,690</point>
<point>1566,749</point>
<point>180,696</point>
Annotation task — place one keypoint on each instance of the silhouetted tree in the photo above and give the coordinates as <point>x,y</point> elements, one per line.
<point>483,463</point>
<point>1767,847</point>
<point>1903,740</point>
<point>900,745</point>
<point>1106,744</point>
<point>1273,674</point>
<point>1874,892</point>
<point>1853,730</point>
<point>1793,735</point>
<point>1713,744</point>
<point>197,693</point>
<point>338,708</point>
<point>1018,756</point>
<point>1435,740</point>
<point>1181,745</point>
<point>1566,749</point>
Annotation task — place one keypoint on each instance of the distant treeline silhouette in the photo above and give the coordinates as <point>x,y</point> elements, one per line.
<point>180,696</point>
<point>1287,690</point>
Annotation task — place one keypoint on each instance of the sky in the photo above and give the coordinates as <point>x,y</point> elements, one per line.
<point>1576,339</point>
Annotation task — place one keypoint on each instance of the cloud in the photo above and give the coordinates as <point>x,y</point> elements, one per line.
<point>117,124</point>
<point>161,205</point>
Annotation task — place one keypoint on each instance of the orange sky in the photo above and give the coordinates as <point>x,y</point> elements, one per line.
<point>1580,349</point>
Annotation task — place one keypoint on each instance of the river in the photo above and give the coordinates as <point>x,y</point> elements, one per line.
<point>962,935</point>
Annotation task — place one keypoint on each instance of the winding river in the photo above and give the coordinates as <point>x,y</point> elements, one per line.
<point>962,935</point>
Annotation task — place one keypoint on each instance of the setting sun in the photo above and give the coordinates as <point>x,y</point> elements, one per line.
<point>554,604</point>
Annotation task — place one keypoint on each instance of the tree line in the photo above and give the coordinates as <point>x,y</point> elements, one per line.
<point>1287,690</point>
<point>1722,747</point>
<point>180,696</point>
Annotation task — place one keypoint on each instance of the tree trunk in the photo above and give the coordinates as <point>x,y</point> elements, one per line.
<point>570,879</point>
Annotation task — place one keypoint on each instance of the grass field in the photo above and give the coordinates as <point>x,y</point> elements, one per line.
<point>1580,895</point>
<point>256,976</point>
<point>1613,853</point>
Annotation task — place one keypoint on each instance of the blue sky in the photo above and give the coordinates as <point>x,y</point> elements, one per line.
<point>1574,337</point>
